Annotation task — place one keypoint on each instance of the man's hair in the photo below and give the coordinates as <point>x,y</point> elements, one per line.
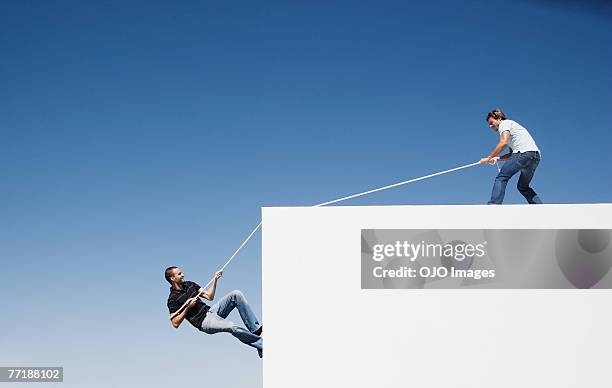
<point>168,273</point>
<point>497,114</point>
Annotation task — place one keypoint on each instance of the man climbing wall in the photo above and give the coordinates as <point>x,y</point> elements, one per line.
<point>184,302</point>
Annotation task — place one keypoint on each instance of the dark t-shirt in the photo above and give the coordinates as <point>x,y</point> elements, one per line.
<point>177,298</point>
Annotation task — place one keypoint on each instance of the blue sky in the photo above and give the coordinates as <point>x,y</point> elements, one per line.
<point>141,135</point>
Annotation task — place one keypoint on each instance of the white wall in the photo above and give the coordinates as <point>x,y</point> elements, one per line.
<point>323,330</point>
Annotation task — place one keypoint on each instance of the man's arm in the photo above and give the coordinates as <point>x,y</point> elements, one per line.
<point>178,316</point>
<point>501,144</point>
<point>210,294</point>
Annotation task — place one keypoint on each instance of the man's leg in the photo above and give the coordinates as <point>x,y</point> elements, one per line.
<point>510,167</point>
<point>213,323</point>
<point>526,175</point>
<point>236,299</point>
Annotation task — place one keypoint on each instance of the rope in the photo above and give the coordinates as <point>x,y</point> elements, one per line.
<point>336,201</point>
<point>396,185</point>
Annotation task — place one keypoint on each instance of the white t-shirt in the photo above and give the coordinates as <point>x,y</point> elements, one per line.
<point>520,139</point>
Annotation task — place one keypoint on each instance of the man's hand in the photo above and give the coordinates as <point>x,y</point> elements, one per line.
<point>177,317</point>
<point>191,302</point>
<point>210,294</point>
<point>489,160</point>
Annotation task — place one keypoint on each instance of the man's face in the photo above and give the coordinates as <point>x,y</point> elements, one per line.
<point>493,123</point>
<point>177,276</point>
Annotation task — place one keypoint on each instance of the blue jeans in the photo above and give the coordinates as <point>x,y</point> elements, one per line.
<point>526,163</point>
<point>215,321</point>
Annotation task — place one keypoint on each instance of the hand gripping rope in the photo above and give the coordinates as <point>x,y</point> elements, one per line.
<point>336,201</point>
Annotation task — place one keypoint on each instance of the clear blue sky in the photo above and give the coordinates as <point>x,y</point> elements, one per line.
<point>136,135</point>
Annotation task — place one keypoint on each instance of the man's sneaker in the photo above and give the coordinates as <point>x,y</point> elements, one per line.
<point>260,353</point>
<point>258,331</point>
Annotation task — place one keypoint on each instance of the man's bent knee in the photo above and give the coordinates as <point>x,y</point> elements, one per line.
<point>237,294</point>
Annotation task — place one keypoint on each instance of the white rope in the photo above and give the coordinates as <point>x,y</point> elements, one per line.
<point>396,185</point>
<point>236,252</point>
<point>351,197</point>
<point>336,201</point>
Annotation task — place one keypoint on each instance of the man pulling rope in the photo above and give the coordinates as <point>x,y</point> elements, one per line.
<point>524,156</point>
<point>184,303</point>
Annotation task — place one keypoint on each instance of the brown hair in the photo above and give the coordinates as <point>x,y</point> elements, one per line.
<point>497,114</point>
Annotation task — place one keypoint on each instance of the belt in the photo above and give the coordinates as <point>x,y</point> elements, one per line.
<point>526,152</point>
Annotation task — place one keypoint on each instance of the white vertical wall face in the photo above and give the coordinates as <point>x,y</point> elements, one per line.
<point>323,330</point>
